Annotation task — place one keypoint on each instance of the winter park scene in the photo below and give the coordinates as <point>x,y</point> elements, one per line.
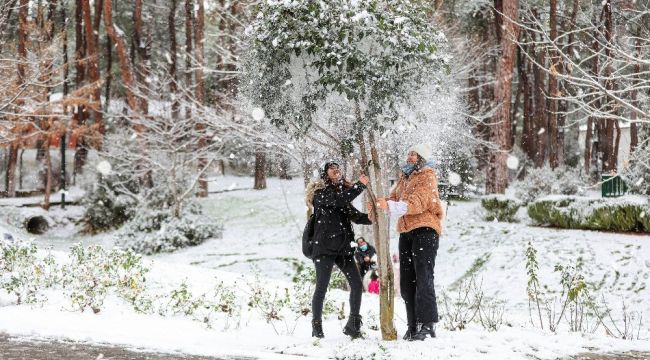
<point>324,179</point>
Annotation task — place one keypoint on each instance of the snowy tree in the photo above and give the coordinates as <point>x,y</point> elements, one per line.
<point>368,57</point>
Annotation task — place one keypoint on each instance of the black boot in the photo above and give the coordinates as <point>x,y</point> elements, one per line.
<point>428,329</point>
<point>353,327</point>
<point>412,330</point>
<point>317,329</point>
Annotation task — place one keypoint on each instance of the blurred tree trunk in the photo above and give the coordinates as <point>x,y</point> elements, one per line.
<point>93,63</point>
<point>609,145</point>
<point>189,25</point>
<point>497,172</point>
<point>527,137</point>
<point>553,94</point>
<point>634,132</point>
<point>21,72</point>
<point>260,168</point>
<point>173,66</point>
<point>199,37</point>
<point>540,128</point>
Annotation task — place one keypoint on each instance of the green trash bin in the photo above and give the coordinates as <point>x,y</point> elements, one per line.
<point>612,186</point>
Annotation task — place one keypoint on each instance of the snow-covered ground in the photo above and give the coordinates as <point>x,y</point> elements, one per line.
<point>260,244</point>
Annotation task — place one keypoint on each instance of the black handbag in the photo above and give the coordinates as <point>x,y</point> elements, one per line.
<point>308,236</point>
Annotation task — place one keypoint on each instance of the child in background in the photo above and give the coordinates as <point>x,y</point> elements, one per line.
<point>373,285</point>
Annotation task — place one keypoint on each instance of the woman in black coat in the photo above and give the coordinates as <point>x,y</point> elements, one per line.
<point>331,197</point>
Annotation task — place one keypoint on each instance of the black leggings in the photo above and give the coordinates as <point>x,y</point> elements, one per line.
<point>417,259</point>
<point>324,265</point>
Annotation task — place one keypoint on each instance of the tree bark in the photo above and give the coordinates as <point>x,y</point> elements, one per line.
<point>141,57</point>
<point>553,91</point>
<point>608,143</point>
<point>189,24</point>
<point>199,35</point>
<point>93,64</point>
<point>173,66</point>
<point>634,132</point>
<point>22,41</point>
<point>11,169</point>
<point>120,48</point>
<point>382,242</point>
<point>540,111</point>
<point>527,137</point>
<point>497,179</point>
<point>260,168</point>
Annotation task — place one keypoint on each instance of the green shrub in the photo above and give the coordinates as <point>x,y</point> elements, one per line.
<point>616,217</point>
<point>644,218</point>
<point>105,207</point>
<point>500,207</point>
<point>621,214</point>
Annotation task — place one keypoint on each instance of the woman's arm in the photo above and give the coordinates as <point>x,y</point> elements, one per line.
<point>358,217</point>
<point>331,199</point>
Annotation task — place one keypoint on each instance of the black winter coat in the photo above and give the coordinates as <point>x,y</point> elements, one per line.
<point>334,216</point>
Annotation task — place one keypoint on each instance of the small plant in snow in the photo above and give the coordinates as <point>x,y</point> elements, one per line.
<point>463,307</point>
<point>92,274</point>
<point>22,273</point>
<point>182,302</point>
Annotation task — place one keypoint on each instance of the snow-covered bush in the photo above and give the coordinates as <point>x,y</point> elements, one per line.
<point>500,207</point>
<point>637,174</point>
<point>22,273</point>
<point>546,181</point>
<point>105,207</point>
<point>157,227</point>
<point>92,273</point>
<point>611,214</point>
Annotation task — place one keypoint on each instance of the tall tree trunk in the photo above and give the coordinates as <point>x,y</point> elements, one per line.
<point>526,132</point>
<point>48,175</point>
<point>22,62</point>
<point>540,111</point>
<point>497,179</point>
<point>634,132</point>
<point>588,144</point>
<point>141,57</point>
<point>553,91</point>
<point>93,64</point>
<point>260,168</point>
<point>199,35</point>
<point>11,169</point>
<point>22,41</point>
<point>120,49</point>
<point>518,96</point>
<point>189,25</point>
<point>79,116</point>
<point>173,66</point>
<point>382,241</point>
<point>109,73</point>
<point>66,65</point>
<point>608,142</point>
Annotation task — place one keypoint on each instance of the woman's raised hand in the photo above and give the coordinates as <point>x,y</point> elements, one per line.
<point>364,179</point>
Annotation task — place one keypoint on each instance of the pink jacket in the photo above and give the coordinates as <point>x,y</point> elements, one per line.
<point>373,287</point>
